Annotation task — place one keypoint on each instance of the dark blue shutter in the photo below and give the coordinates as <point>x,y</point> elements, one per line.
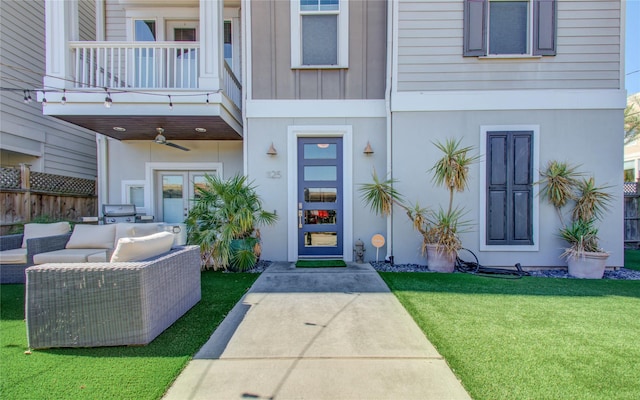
<point>544,27</point>
<point>475,28</point>
<point>509,188</point>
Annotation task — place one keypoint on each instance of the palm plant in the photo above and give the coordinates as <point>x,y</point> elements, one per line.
<point>440,227</point>
<point>224,222</point>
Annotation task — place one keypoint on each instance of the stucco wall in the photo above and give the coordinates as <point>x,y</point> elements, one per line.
<point>584,138</point>
<point>274,191</point>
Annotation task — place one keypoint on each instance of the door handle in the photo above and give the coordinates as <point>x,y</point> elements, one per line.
<point>299,219</point>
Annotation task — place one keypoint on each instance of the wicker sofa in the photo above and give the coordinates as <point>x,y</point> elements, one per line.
<point>17,251</point>
<point>110,303</point>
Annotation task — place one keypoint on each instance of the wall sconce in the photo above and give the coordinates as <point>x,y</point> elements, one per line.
<point>272,150</point>
<point>368,150</point>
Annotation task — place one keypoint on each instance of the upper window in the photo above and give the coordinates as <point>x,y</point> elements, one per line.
<point>319,33</point>
<point>509,28</point>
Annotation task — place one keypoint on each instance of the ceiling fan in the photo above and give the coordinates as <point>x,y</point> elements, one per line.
<point>160,139</point>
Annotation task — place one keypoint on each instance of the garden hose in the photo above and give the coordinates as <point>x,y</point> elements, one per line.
<point>474,267</point>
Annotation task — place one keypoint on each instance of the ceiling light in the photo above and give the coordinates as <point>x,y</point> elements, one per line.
<point>201,130</point>
<point>119,129</point>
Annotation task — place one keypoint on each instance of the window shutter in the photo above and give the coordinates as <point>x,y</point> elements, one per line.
<point>509,188</point>
<point>475,28</point>
<point>544,27</point>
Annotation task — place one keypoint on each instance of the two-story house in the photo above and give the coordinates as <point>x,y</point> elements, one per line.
<point>308,97</point>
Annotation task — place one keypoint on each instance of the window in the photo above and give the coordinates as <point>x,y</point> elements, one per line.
<point>510,28</point>
<point>630,171</point>
<point>509,188</point>
<point>319,33</point>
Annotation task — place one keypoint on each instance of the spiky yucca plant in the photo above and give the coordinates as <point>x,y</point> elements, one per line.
<point>440,227</point>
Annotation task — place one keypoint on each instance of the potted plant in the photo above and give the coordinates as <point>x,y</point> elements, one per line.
<point>224,222</point>
<point>439,229</point>
<point>561,186</point>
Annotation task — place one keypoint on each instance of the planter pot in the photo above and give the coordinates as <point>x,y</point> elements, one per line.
<point>439,260</point>
<point>587,265</point>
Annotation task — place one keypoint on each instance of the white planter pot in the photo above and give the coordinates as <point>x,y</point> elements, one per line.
<point>438,260</point>
<point>587,265</point>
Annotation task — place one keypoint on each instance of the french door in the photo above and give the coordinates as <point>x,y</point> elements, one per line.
<point>320,200</point>
<point>176,192</point>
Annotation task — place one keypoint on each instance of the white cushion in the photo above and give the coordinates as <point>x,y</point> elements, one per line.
<point>123,229</point>
<point>92,237</point>
<point>32,231</point>
<point>100,256</point>
<point>146,229</point>
<point>13,256</point>
<point>141,248</point>
<point>65,256</point>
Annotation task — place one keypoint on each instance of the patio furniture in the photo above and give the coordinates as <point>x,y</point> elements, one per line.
<point>17,251</point>
<point>110,303</point>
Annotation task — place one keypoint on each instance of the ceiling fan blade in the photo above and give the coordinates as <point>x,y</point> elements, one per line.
<point>177,146</point>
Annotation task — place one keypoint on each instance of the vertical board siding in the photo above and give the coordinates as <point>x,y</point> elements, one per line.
<point>430,47</point>
<point>273,77</point>
<point>65,149</point>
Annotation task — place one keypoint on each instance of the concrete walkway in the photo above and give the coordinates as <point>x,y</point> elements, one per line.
<point>318,333</point>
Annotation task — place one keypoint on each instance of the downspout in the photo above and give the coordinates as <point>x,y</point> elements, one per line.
<point>102,153</point>
<point>391,9</point>
<point>246,78</point>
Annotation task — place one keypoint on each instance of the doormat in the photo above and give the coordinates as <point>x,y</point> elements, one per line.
<point>320,263</point>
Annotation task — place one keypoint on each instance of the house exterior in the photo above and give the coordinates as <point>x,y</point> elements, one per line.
<point>27,136</point>
<point>309,97</point>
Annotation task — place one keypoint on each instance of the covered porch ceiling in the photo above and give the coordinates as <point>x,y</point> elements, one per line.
<point>141,127</point>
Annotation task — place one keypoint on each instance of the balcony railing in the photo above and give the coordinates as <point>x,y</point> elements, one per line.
<point>144,65</point>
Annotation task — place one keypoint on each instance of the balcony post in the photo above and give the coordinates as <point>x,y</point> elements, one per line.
<point>61,24</point>
<point>211,34</point>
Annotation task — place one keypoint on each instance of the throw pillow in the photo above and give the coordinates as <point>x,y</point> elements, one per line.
<point>141,248</point>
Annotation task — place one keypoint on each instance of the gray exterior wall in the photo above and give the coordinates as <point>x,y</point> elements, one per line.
<point>263,131</point>
<point>271,70</point>
<point>562,137</point>
<point>430,38</point>
<point>115,27</point>
<point>57,147</point>
<point>87,20</point>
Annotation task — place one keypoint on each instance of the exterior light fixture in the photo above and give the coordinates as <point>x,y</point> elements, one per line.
<point>368,150</point>
<point>63,100</point>
<point>272,150</point>
<point>107,100</point>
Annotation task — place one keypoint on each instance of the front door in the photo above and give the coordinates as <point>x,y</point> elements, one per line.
<point>182,67</point>
<point>320,200</point>
<point>177,189</point>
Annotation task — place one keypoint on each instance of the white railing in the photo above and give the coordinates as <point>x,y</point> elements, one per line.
<point>143,65</point>
<point>232,87</point>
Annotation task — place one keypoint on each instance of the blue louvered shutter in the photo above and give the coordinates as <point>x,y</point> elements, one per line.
<point>509,188</point>
<point>475,28</point>
<point>544,27</point>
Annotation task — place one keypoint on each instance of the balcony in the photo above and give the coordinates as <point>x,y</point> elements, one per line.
<point>137,86</point>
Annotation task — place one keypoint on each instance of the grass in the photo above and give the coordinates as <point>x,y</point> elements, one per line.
<point>533,338</point>
<point>143,372</point>
<point>632,259</point>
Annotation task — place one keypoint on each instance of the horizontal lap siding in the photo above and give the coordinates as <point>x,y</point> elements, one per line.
<point>430,37</point>
<point>65,148</point>
<point>115,21</point>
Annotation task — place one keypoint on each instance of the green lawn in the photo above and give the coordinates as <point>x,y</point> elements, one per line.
<point>110,372</point>
<point>632,259</point>
<point>533,338</point>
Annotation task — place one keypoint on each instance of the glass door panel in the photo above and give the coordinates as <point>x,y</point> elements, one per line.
<point>182,65</point>
<point>319,197</point>
<point>173,206</point>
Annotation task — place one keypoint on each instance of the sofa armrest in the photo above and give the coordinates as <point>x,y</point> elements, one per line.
<point>45,244</point>
<point>9,242</point>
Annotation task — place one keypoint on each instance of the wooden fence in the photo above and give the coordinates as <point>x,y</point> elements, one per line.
<point>28,195</point>
<point>632,214</point>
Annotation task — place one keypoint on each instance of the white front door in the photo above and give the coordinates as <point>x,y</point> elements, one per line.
<point>182,66</point>
<point>176,191</point>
